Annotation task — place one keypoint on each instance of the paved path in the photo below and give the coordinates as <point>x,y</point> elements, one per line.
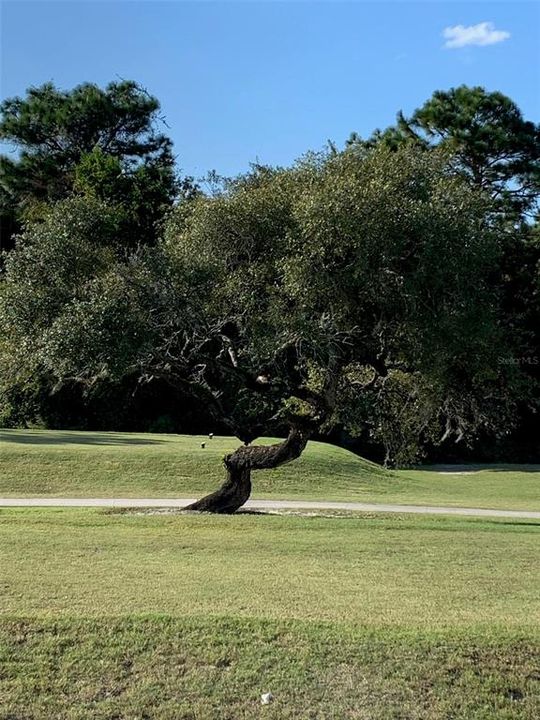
<point>268,505</point>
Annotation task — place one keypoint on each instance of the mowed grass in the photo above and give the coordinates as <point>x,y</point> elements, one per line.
<point>80,464</point>
<point>403,571</point>
<point>163,668</point>
<point>133,615</point>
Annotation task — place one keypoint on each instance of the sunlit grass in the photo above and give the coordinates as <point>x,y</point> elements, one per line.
<point>403,571</point>
<point>120,616</point>
<point>131,615</point>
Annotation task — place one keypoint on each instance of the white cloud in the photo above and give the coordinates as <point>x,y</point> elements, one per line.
<point>484,33</point>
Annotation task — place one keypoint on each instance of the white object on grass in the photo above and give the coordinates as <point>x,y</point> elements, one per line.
<point>266,698</point>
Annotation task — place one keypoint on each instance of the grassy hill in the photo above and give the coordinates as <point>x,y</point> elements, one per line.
<point>84,464</point>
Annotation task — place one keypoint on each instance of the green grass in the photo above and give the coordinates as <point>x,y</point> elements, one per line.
<point>132,615</point>
<point>403,571</point>
<point>114,615</point>
<point>79,464</point>
<point>173,669</point>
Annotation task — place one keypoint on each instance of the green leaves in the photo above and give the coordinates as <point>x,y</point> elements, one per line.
<point>348,258</point>
<point>99,142</point>
<point>261,298</point>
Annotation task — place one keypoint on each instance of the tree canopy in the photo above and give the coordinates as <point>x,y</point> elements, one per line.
<point>275,299</point>
<point>496,150</point>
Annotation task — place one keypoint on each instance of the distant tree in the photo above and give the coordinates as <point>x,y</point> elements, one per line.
<point>485,133</point>
<point>102,141</point>
<point>276,301</point>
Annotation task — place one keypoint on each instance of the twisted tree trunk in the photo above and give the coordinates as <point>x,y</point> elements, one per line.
<point>237,487</point>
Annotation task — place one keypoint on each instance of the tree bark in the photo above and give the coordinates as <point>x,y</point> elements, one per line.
<point>237,487</point>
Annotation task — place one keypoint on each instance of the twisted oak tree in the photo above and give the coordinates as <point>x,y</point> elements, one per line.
<point>280,302</point>
<point>236,489</point>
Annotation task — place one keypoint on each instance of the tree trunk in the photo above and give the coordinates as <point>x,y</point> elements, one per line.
<point>237,487</point>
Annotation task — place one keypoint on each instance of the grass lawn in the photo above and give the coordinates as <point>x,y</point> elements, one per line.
<point>81,464</point>
<point>132,615</point>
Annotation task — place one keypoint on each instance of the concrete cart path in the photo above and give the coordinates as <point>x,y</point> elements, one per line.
<point>269,505</point>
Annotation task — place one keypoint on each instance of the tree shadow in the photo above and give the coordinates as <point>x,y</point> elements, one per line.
<point>74,438</point>
<point>506,521</point>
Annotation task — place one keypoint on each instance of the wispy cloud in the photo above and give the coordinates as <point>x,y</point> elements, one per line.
<point>484,33</point>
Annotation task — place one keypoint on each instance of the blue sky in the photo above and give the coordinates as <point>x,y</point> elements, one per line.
<point>270,80</point>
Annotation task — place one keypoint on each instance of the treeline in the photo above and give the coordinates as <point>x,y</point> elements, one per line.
<point>405,266</point>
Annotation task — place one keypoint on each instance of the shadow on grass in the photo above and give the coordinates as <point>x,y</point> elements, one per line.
<point>74,438</point>
<point>506,522</point>
<point>403,522</point>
